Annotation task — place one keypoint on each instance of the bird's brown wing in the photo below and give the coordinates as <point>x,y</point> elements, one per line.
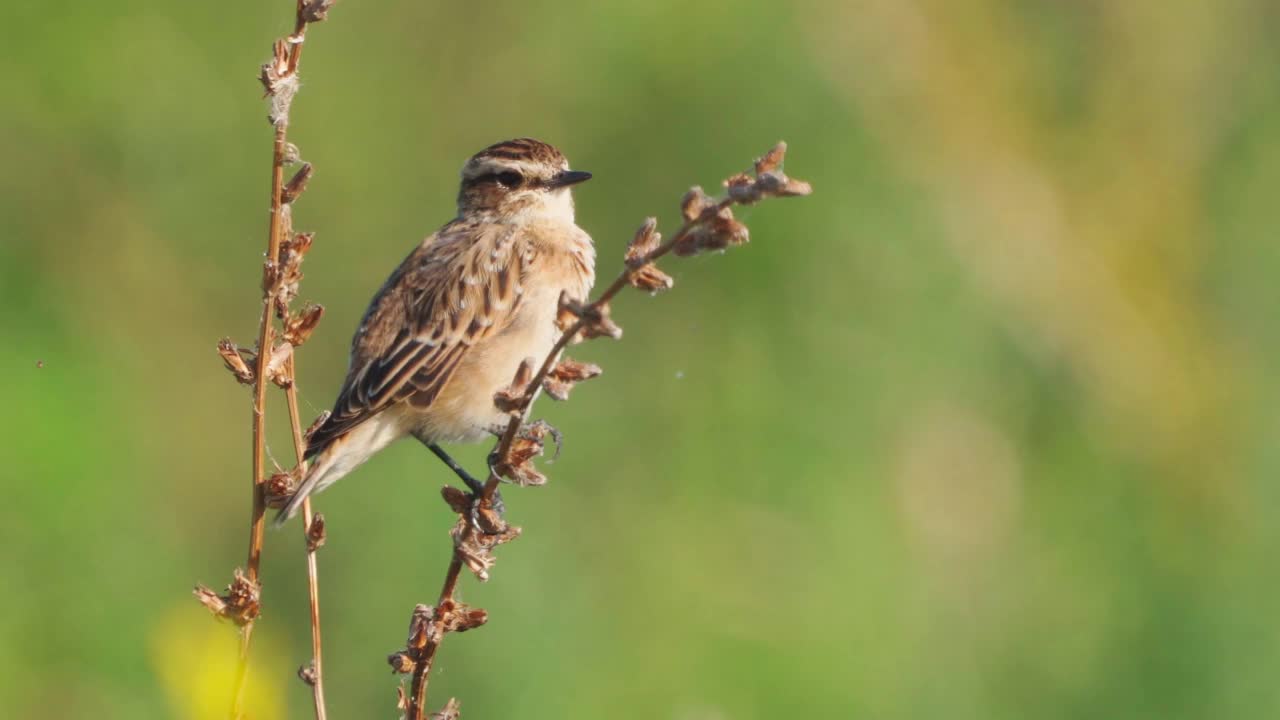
<point>460,287</point>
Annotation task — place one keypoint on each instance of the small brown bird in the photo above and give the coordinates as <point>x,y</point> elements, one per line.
<point>451,325</point>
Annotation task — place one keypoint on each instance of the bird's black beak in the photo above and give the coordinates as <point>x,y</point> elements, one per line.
<point>569,177</point>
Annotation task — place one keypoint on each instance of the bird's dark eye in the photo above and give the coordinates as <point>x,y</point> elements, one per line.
<point>510,178</point>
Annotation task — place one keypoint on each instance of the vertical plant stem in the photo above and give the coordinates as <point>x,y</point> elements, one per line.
<point>316,678</point>
<point>257,525</point>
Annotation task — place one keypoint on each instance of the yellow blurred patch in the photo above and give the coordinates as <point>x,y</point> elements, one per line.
<point>194,657</point>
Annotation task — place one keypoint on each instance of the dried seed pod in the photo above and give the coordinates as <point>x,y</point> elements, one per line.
<point>650,278</point>
<point>401,663</point>
<point>296,184</point>
<point>646,240</point>
<point>567,373</point>
<point>460,617</point>
<point>694,203</point>
<point>474,554</point>
<point>598,323</point>
<point>234,361</point>
<point>278,365</point>
<point>475,549</point>
<point>511,399</point>
<point>239,604</point>
<point>458,500</point>
<point>450,711</point>
<point>315,533</point>
<point>421,626</point>
<point>771,160</point>
<point>278,489</point>
<point>299,327</point>
<point>556,389</point>
<point>315,10</point>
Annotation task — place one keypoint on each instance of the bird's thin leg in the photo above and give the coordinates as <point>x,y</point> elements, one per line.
<point>475,485</point>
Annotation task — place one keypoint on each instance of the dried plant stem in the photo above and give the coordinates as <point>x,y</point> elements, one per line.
<point>313,675</point>
<point>257,523</point>
<point>279,77</point>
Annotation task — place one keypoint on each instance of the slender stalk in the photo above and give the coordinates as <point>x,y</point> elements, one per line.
<point>266,335</point>
<point>257,524</point>
<point>315,677</point>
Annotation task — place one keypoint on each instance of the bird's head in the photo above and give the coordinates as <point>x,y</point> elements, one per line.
<point>516,180</point>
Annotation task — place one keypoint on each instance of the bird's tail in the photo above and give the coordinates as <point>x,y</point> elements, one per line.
<point>316,479</point>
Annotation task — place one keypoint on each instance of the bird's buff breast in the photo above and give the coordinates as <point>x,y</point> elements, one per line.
<point>464,410</point>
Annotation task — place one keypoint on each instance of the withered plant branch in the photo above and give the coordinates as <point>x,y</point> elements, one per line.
<point>708,225</point>
<point>313,534</point>
<point>280,80</point>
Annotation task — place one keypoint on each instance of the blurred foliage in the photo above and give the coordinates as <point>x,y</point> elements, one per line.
<point>983,429</point>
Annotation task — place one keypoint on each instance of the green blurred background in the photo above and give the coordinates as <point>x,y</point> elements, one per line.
<point>985,428</point>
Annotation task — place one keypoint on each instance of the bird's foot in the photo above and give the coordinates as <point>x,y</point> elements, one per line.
<point>488,514</point>
<point>537,430</point>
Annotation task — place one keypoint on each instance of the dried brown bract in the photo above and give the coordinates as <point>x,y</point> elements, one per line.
<point>315,10</point>
<point>455,616</point>
<point>315,533</point>
<point>644,274</point>
<point>298,328</point>
<point>450,711</point>
<point>517,465</point>
<point>279,488</point>
<point>421,626</point>
<point>296,184</point>
<point>475,550</point>
<point>715,229</point>
<point>401,663</point>
<point>694,203</point>
<point>593,317</point>
<point>240,602</point>
<point>285,275</point>
<point>280,82</point>
<point>566,374</point>
<point>458,500</point>
<point>646,240</point>
<point>511,398</point>
<point>278,369</point>
<point>650,279</point>
<point>235,361</point>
